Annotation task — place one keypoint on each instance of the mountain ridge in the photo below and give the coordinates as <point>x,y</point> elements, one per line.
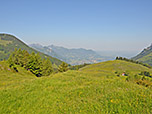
<point>72,56</point>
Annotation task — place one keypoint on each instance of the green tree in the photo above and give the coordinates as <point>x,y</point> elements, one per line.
<point>63,67</point>
<point>19,56</point>
<point>15,56</point>
<point>25,59</point>
<point>47,68</point>
<point>117,58</point>
<point>10,60</point>
<point>35,64</point>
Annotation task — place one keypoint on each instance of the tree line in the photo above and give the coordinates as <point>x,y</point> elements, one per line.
<point>33,62</point>
<point>133,61</point>
<point>77,67</point>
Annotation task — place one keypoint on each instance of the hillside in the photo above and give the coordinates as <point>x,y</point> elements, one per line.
<point>145,56</point>
<point>71,56</point>
<point>110,67</point>
<point>9,42</point>
<point>95,89</point>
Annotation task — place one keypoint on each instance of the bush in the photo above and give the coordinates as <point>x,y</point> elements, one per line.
<point>145,73</point>
<point>63,67</point>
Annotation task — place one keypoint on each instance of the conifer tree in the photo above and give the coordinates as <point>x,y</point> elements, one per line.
<point>46,67</point>
<point>10,60</point>
<point>25,59</point>
<point>63,67</point>
<point>15,56</point>
<point>35,64</point>
<point>19,55</point>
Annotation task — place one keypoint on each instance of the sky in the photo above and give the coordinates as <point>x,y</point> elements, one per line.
<point>102,25</point>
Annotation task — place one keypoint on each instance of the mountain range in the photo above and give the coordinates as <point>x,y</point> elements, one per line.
<point>57,54</point>
<point>71,56</point>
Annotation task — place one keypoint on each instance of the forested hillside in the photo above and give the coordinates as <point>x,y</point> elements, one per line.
<point>8,43</point>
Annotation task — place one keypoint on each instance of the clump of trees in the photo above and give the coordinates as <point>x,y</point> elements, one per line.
<point>133,61</point>
<point>32,62</point>
<point>77,67</point>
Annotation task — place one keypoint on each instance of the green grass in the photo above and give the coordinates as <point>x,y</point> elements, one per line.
<point>110,67</point>
<point>145,56</point>
<point>9,78</point>
<point>93,90</point>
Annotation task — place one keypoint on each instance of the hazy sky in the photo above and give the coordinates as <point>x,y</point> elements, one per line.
<point>92,24</point>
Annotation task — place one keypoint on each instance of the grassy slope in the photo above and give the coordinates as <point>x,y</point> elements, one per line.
<point>146,59</point>
<point>145,56</point>
<point>93,89</point>
<point>9,78</point>
<point>110,67</point>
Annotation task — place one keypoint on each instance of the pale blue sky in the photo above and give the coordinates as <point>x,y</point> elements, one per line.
<point>92,24</point>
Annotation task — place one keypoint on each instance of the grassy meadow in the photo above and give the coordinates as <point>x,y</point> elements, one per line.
<point>94,89</point>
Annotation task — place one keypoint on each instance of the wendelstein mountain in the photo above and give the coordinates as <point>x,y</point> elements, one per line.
<point>71,56</point>
<point>145,56</point>
<point>9,42</point>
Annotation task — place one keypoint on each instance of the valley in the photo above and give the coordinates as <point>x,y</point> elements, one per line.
<point>71,56</point>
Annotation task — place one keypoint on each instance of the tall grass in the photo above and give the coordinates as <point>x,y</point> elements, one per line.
<point>73,92</point>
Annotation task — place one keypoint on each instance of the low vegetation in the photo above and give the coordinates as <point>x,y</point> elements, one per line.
<point>131,71</point>
<point>72,92</point>
<point>93,89</point>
